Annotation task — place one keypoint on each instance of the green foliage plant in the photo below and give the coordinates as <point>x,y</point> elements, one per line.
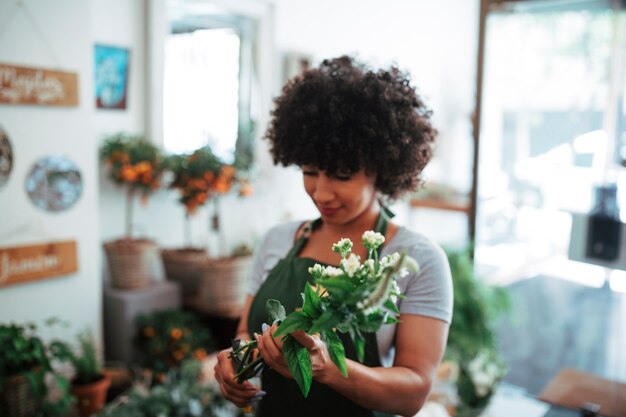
<point>85,362</point>
<point>471,340</point>
<point>168,337</point>
<point>180,395</point>
<point>23,353</point>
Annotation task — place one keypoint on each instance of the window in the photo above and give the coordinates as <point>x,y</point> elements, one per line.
<point>206,91</point>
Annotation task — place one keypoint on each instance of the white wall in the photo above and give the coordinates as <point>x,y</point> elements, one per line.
<point>36,132</point>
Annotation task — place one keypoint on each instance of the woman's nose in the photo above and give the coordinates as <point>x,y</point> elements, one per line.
<point>323,190</point>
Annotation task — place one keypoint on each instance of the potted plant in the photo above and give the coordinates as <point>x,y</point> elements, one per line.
<point>180,395</point>
<point>168,337</point>
<point>137,165</point>
<point>200,178</point>
<point>90,383</point>
<point>25,363</point>
<point>472,360</point>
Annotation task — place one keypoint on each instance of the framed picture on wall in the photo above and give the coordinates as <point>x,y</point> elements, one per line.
<point>111,76</point>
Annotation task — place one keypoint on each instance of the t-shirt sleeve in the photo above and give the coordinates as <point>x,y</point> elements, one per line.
<point>428,292</point>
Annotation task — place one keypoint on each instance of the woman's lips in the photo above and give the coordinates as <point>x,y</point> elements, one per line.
<point>328,211</point>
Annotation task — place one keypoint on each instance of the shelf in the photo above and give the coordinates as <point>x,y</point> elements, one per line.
<point>460,205</point>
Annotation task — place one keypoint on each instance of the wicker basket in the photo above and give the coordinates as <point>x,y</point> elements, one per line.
<point>132,262</point>
<point>185,266</point>
<point>223,287</point>
<point>18,399</point>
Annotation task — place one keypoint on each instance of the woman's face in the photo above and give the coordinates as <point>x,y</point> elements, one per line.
<point>339,198</point>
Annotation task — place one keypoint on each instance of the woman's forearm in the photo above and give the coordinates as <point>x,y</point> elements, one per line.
<point>397,390</point>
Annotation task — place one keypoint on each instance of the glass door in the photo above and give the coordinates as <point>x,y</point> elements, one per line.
<point>549,132</point>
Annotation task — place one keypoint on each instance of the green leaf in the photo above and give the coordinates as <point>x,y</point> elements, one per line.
<point>371,323</point>
<point>299,363</point>
<point>311,305</point>
<point>338,286</point>
<point>336,351</point>
<point>275,310</point>
<point>298,320</point>
<point>391,306</point>
<point>359,343</point>
<point>326,322</point>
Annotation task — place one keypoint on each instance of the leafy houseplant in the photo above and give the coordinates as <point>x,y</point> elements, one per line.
<point>90,383</point>
<point>137,165</point>
<point>180,395</point>
<point>25,362</point>
<point>471,339</point>
<point>166,338</point>
<point>201,178</point>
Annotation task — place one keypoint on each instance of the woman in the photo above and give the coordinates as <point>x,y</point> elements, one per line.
<point>359,137</point>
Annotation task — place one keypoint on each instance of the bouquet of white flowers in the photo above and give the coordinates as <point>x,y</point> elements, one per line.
<point>353,298</point>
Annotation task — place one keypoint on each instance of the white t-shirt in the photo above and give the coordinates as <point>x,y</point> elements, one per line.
<point>427,293</point>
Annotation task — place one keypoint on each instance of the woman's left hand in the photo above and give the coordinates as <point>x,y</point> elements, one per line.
<point>271,350</point>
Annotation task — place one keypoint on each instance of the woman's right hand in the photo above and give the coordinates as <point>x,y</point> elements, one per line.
<point>242,394</point>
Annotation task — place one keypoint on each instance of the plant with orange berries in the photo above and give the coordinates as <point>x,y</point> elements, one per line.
<point>136,164</point>
<point>168,337</point>
<point>202,177</point>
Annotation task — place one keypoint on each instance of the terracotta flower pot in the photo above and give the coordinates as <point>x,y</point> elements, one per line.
<point>90,398</point>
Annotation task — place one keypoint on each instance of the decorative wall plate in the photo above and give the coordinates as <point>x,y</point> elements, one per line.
<point>6,158</point>
<point>54,183</point>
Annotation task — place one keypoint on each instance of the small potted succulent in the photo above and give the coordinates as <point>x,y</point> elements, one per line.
<point>90,383</point>
<point>25,363</point>
<point>137,165</point>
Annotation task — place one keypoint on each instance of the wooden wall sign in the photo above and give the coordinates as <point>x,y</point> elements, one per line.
<point>39,86</point>
<point>30,263</point>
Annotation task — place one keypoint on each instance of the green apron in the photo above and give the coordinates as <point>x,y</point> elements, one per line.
<point>285,283</point>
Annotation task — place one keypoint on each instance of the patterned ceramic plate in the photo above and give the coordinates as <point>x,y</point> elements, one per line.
<point>54,183</point>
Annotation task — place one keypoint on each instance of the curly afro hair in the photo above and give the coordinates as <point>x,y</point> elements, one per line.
<point>343,117</point>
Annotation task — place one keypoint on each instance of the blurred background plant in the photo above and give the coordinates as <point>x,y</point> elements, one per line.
<point>84,361</point>
<point>472,344</point>
<point>202,177</point>
<point>135,163</point>
<point>180,395</point>
<point>25,365</point>
<point>167,338</point>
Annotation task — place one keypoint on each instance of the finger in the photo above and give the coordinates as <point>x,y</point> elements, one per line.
<point>308,341</point>
<point>276,340</point>
<point>273,356</point>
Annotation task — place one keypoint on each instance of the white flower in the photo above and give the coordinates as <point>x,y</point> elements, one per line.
<point>343,247</point>
<point>395,291</point>
<point>331,271</point>
<point>370,265</point>
<point>316,271</point>
<point>410,265</point>
<point>390,260</point>
<point>351,264</point>
<point>372,240</point>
